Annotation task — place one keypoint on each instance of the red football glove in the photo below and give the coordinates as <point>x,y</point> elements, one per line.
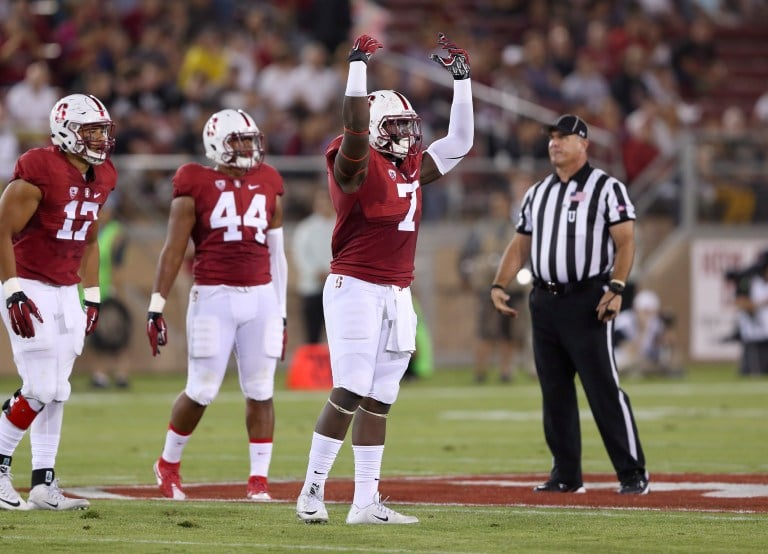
<point>20,312</point>
<point>457,61</point>
<point>157,331</point>
<point>91,316</point>
<point>363,49</point>
<point>285,339</point>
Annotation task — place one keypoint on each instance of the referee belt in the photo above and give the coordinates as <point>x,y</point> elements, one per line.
<point>566,288</point>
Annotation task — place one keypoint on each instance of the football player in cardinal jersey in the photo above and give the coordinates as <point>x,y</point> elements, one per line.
<point>48,229</point>
<point>376,170</point>
<point>233,213</point>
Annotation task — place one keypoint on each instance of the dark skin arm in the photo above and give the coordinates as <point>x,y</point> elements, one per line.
<point>350,168</point>
<point>89,265</point>
<point>17,206</point>
<point>180,223</point>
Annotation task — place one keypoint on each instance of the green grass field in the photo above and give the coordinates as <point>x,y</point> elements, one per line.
<point>710,421</point>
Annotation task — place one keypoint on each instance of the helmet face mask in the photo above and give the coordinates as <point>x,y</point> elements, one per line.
<point>80,125</point>
<point>232,139</point>
<point>395,128</point>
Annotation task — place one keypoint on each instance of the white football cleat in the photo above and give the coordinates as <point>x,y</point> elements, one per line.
<point>377,513</point>
<point>310,507</point>
<point>50,497</point>
<point>9,498</point>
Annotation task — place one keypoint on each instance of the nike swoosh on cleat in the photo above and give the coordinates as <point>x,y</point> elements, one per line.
<point>385,518</point>
<point>14,504</point>
<point>53,505</point>
<point>309,513</point>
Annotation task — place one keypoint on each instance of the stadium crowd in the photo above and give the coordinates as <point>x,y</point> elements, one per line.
<point>643,70</point>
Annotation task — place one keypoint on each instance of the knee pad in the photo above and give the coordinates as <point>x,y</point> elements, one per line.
<point>354,372</point>
<point>203,395</point>
<point>259,387</point>
<point>45,392</point>
<point>19,412</point>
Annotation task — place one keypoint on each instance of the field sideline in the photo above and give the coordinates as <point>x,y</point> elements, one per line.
<point>459,456</point>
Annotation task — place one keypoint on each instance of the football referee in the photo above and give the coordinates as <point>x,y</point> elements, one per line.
<point>577,229</point>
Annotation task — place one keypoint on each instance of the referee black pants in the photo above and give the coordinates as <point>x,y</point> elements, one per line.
<point>568,339</point>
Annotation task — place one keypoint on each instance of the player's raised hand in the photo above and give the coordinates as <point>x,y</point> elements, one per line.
<point>363,49</point>
<point>454,59</point>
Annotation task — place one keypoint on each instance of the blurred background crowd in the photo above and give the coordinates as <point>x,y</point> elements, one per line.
<point>642,71</point>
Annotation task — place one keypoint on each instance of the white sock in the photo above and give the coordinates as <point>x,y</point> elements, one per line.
<point>322,455</point>
<point>367,473</point>
<point>174,446</point>
<point>10,436</point>
<point>45,435</point>
<point>261,456</point>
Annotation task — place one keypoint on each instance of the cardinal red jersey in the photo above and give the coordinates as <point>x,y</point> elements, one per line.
<point>376,226</point>
<point>232,215</point>
<point>51,245</point>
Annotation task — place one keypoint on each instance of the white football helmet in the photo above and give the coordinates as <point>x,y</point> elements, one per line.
<point>80,125</point>
<point>395,128</point>
<point>225,135</point>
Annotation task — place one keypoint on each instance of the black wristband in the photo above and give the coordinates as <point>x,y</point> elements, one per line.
<point>496,286</point>
<point>616,286</point>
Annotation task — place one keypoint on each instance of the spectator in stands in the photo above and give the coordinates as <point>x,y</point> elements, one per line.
<point>21,42</point>
<point>538,74</point>
<point>9,147</point>
<point>628,86</point>
<point>317,85</point>
<point>638,147</point>
<point>276,84</point>
<point>696,62</point>
<point>204,60</point>
<point>596,48</point>
<point>561,49</point>
<point>29,104</point>
<point>586,85</point>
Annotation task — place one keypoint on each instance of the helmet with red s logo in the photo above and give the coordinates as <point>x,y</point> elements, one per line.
<point>395,128</point>
<point>80,125</point>
<point>232,138</point>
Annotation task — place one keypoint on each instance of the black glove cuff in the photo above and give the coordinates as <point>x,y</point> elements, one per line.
<point>358,56</point>
<point>15,298</point>
<point>92,304</point>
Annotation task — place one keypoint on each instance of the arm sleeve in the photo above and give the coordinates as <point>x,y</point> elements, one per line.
<point>279,266</point>
<point>451,149</point>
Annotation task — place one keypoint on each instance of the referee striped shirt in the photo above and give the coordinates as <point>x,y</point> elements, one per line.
<point>569,224</point>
